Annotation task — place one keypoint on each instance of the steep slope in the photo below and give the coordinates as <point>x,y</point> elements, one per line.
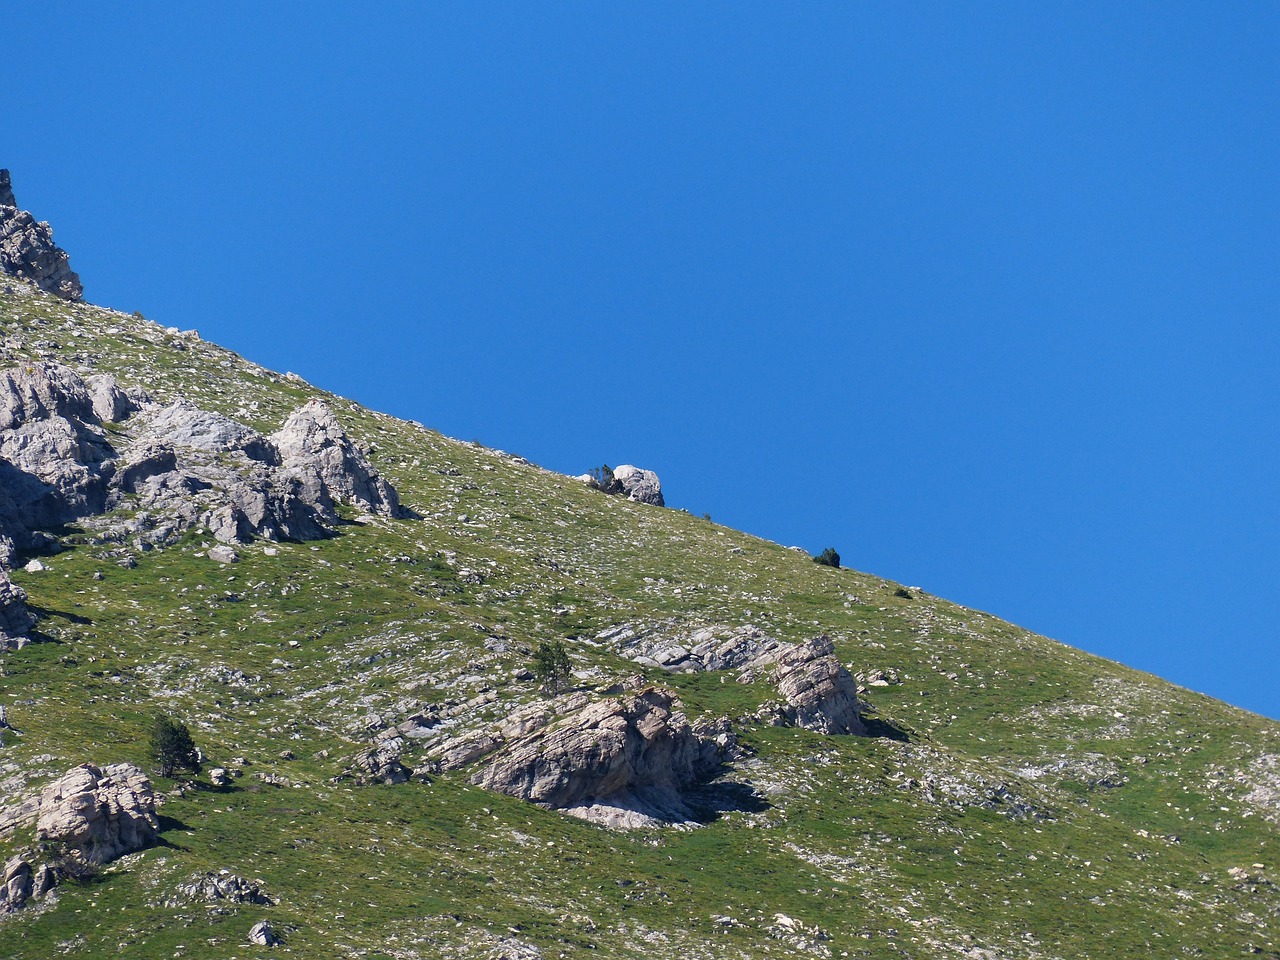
<point>1014,797</point>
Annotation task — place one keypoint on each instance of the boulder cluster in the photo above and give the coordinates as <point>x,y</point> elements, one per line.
<point>76,449</point>
<point>27,249</point>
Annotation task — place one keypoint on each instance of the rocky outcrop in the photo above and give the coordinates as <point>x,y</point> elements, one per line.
<point>381,762</point>
<point>625,762</point>
<point>53,452</point>
<point>99,814</point>
<point>708,648</point>
<point>20,882</point>
<point>816,691</point>
<point>314,448</point>
<point>223,887</point>
<point>27,249</point>
<point>172,468</point>
<point>15,618</point>
<point>640,486</point>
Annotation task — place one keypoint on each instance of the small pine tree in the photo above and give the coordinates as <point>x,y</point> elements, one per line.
<point>171,746</point>
<point>551,666</point>
<point>828,558</point>
<point>602,476</point>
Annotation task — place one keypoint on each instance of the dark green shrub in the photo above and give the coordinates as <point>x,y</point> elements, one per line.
<point>551,666</point>
<point>171,746</point>
<point>828,558</point>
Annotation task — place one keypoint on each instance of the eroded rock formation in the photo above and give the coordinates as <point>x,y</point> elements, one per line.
<point>815,690</point>
<point>99,814</point>
<point>624,762</point>
<point>165,469</point>
<point>27,249</point>
<point>640,486</point>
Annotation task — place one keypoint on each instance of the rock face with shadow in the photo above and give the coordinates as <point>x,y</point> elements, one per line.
<point>815,690</point>
<point>27,249</point>
<point>72,448</point>
<point>625,762</point>
<point>99,813</point>
<point>640,486</point>
<point>15,618</point>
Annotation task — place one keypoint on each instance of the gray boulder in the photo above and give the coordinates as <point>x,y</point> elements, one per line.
<point>16,885</point>
<point>641,486</point>
<point>262,935</point>
<point>15,618</point>
<point>99,814</point>
<point>27,249</point>
<point>624,762</point>
<point>817,692</point>
<point>314,448</point>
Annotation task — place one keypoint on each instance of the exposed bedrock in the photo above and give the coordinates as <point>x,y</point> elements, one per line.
<point>27,249</point>
<point>625,762</point>
<point>160,470</point>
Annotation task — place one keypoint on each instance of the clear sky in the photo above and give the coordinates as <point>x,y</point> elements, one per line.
<point>982,295</point>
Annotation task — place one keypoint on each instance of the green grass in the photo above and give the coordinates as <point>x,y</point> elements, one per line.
<point>313,649</point>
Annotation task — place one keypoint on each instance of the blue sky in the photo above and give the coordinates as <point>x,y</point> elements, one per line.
<point>982,295</point>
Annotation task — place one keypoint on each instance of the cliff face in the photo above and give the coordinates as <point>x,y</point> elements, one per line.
<point>27,250</point>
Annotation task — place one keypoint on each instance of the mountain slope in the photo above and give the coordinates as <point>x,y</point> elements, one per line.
<point>1023,799</point>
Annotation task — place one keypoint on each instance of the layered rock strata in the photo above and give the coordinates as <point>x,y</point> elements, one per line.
<point>815,690</point>
<point>625,762</point>
<point>99,814</point>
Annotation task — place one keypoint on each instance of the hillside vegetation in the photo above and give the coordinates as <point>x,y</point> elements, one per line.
<point>1017,799</point>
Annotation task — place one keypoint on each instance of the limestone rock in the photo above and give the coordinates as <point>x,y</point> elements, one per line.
<point>27,249</point>
<point>224,887</point>
<point>381,762</point>
<point>817,692</point>
<point>262,934</point>
<point>99,813</point>
<point>177,467</point>
<point>54,458</point>
<point>16,885</point>
<point>708,648</point>
<point>314,447</point>
<point>15,618</point>
<point>641,486</point>
<point>625,762</point>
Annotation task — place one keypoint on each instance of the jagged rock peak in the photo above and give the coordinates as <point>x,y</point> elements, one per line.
<point>27,250</point>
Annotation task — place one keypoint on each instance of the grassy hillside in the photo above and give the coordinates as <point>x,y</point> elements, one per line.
<point>1044,803</point>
